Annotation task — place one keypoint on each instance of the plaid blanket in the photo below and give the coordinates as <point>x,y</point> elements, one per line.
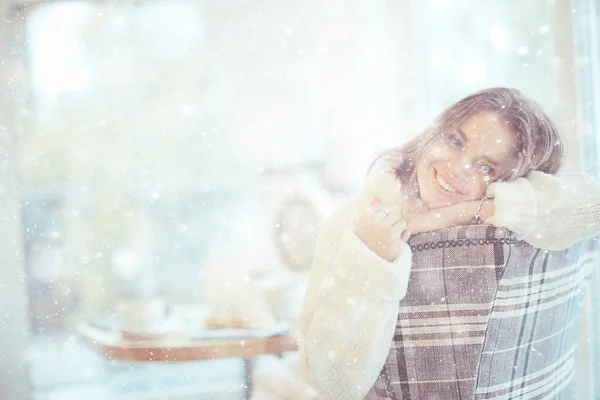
<point>486,317</point>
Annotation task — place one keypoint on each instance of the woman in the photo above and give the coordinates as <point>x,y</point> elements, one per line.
<point>481,147</point>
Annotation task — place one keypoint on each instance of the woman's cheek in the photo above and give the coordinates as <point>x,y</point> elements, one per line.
<point>479,188</point>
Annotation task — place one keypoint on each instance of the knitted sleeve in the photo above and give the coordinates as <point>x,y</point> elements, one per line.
<point>348,316</point>
<point>548,211</point>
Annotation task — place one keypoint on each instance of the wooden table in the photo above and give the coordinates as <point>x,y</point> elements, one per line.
<point>111,345</point>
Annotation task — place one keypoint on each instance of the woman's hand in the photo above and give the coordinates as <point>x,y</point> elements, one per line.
<point>445,217</point>
<point>382,228</point>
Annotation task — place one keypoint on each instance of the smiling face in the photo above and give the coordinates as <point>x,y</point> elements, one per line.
<point>461,164</point>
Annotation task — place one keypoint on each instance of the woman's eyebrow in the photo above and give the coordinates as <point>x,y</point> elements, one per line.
<point>491,161</point>
<point>462,134</point>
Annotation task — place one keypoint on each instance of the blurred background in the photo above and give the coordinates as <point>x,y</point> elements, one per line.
<point>188,150</point>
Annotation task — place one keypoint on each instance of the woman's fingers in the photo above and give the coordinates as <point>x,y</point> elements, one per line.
<point>376,209</point>
<point>405,235</point>
<point>375,200</point>
<point>398,229</point>
<point>384,212</point>
<point>373,226</point>
<point>394,217</point>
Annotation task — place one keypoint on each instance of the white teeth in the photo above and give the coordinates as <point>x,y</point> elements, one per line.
<point>444,184</point>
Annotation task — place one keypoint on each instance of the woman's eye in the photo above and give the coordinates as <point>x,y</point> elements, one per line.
<point>456,142</point>
<point>486,169</point>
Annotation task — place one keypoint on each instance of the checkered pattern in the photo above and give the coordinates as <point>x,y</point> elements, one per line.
<point>486,317</point>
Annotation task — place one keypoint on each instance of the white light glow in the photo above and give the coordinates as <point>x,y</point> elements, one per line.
<point>499,38</point>
<point>473,71</point>
<point>56,55</point>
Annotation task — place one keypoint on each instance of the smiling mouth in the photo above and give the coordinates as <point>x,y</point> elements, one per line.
<point>444,186</point>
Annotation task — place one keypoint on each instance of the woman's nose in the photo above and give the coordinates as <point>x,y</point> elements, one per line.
<point>462,171</point>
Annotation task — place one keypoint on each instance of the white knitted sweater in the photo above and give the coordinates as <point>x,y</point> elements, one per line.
<point>350,309</point>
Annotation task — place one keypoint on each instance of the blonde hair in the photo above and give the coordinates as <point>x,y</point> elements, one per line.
<point>540,145</point>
